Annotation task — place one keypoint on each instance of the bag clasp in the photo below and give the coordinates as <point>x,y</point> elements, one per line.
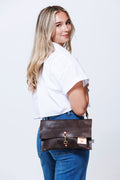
<point>65,139</point>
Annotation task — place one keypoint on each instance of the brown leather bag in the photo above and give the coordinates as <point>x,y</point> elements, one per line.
<point>66,133</point>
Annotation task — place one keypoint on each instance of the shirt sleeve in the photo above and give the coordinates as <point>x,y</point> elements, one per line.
<point>72,73</point>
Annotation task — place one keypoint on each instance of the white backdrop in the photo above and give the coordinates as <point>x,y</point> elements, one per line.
<point>97,45</point>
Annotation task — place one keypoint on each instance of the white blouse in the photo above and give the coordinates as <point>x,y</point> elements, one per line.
<point>61,71</point>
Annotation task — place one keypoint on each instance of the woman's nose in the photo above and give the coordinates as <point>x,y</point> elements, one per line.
<point>65,28</point>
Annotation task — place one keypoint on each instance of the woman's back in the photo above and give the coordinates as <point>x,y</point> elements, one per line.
<point>61,71</point>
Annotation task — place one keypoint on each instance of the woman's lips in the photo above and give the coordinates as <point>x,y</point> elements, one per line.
<point>66,35</point>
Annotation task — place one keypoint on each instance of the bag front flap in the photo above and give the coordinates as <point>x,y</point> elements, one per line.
<point>73,128</point>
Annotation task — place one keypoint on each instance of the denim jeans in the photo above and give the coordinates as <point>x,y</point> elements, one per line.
<point>63,164</point>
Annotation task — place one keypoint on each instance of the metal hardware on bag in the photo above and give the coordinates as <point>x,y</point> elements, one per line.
<point>92,140</point>
<point>65,141</point>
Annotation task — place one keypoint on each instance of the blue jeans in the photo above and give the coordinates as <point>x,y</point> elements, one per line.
<point>63,164</point>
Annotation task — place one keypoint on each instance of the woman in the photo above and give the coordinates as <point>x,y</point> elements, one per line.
<point>59,87</point>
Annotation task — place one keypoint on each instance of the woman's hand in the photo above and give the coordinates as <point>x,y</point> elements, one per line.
<point>79,99</point>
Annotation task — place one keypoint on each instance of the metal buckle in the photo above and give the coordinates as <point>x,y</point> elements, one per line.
<point>65,141</point>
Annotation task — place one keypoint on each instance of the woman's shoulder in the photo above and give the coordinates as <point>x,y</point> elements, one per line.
<point>61,55</point>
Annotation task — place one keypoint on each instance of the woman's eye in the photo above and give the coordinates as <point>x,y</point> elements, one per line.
<point>68,22</point>
<point>58,25</point>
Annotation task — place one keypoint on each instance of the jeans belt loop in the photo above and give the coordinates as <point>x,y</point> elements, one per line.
<point>69,113</point>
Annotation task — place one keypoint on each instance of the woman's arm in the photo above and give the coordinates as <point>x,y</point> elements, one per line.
<point>79,99</point>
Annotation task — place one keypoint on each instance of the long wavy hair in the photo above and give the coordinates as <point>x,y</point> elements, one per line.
<point>43,46</point>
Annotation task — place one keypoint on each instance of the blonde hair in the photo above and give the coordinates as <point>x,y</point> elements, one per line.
<point>43,46</point>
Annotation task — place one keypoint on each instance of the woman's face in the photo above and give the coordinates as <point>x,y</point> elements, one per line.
<point>63,28</point>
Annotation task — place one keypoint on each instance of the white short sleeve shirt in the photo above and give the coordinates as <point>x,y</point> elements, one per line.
<point>61,71</point>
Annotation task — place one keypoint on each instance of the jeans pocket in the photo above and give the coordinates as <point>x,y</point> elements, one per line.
<point>61,151</point>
